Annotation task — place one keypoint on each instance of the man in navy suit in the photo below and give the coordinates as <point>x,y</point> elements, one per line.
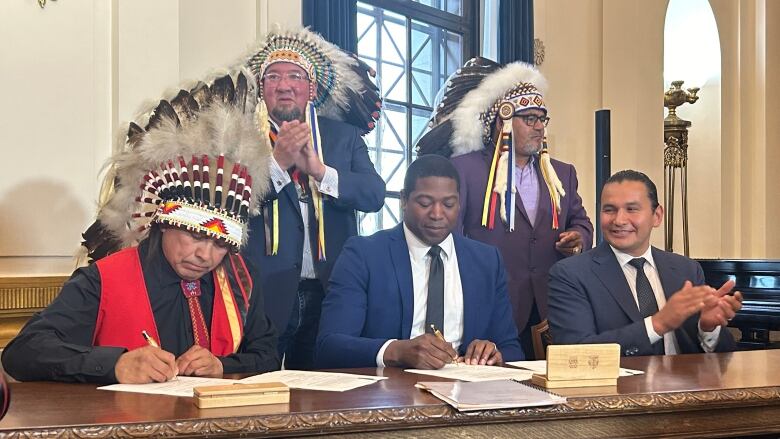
<point>392,294</point>
<point>320,173</point>
<point>624,291</point>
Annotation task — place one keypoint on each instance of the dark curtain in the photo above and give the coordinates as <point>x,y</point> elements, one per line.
<point>516,31</point>
<point>336,20</point>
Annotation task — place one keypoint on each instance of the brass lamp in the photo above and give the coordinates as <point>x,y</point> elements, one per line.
<point>676,158</point>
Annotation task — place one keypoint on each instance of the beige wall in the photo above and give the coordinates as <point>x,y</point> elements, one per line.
<point>609,54</point>
<point>750,47</point>
<point>73,72</point>
<point>55,130</point>
<point>772,165</point>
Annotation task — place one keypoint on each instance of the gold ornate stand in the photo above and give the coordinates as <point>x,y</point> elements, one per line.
<point>676,158</point>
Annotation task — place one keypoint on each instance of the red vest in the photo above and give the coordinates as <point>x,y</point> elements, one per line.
<point>125,309</point>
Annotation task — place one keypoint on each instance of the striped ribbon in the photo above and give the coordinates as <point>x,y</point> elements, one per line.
<point>319,211</point>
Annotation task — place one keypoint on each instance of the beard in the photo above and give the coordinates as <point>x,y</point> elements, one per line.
<point>530,148</point>
<point>287,115</point>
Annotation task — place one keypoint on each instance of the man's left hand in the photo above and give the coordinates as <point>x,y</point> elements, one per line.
<point>723,310</point>
<point>198,361</point>
<point>483,352</point>
<point>309,163</point>
<point>569,243</point>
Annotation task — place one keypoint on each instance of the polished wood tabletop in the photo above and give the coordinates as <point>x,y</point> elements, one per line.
<point>694,387</point>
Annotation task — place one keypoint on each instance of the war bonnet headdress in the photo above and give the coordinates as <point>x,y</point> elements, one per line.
<point>465,119</point>
<point>340,88</point>
<point>344,89</point>
<point>200,164</point>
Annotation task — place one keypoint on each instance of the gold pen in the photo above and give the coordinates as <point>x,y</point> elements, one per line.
<point>440,336</point>
<point>149,340</point>
<point>152,342</point>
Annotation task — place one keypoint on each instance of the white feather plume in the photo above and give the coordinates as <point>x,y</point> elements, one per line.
<point>468,128</point>
<point>219,129</point>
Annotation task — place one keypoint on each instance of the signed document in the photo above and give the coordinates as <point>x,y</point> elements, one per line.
<point>179,386</point>
<point>485,395</point>
<point>465,372</point>
<point>327,381</point>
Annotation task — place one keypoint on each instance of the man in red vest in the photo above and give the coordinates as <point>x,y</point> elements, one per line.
<point>173,297</point>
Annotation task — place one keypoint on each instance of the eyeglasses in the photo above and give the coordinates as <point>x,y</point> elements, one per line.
<point>530,119</point>
<point>293,78</point>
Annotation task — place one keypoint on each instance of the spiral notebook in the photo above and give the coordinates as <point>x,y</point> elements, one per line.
<point>487,395</point>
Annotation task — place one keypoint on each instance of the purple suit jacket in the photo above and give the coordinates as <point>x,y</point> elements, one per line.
<point>529,251</point>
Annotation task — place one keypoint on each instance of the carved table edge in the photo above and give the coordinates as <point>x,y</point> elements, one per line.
<point>411,417</point>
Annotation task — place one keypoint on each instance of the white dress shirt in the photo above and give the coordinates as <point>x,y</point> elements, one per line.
<point>328,186</point>
<point>707,340</point>
<point>453,291</point>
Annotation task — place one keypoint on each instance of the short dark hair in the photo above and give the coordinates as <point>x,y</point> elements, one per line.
<point>429,165</point>
<point>632,175</point>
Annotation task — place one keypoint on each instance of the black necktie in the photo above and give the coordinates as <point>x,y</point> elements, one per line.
<point>646,298</point>
<point>434,314</point>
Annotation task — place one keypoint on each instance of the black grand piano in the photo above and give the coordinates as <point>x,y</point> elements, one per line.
<point>759,282</point>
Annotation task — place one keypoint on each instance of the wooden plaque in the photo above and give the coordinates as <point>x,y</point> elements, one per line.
<point>232,395</point>
<point>581,365</point>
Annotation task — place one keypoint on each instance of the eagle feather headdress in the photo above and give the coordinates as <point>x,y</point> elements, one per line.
<point>197,163</point>
<point>464,121</point>
<point>222,108</point>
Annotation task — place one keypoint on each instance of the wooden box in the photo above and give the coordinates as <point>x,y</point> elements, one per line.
<point>580,365</point>
<point>232,395</point>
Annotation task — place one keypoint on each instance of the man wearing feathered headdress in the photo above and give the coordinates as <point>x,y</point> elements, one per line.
<point>315,103</point>
<point>168,294</point>
<point>491,120</point>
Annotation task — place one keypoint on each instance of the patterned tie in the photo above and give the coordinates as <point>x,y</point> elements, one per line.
<point>434,314</point>
<point>646,298</point>
<point>191,290</point>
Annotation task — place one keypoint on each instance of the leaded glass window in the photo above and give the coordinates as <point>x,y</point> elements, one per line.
<point>414,46</point>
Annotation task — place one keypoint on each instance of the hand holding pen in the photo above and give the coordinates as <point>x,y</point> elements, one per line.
<point>440,336</point>
<point>146,364</point>
<point>426,351</point>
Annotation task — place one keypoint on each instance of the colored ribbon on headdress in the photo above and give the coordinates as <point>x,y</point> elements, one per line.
<point>489,206</point>
<point>554,185</point>
<point>501,182</point>
<point>319,211</point>
<point>270,210</point>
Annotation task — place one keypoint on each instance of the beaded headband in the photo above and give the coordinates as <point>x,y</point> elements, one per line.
<point>198,164</point>
<point>341,85</point>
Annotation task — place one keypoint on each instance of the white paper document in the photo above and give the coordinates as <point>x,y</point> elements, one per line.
<point>537,366</point>
<point>327,381</point>
<point>466,372</point>
<point>485,395</point>
<point>540,367</point>
<point>180,386</point>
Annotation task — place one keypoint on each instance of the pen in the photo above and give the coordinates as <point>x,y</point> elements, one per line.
<point>152,342</point>
<point>149,339</point>
<point>440,336</point>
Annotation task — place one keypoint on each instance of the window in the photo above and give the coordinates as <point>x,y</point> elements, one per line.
<point>414,45</point>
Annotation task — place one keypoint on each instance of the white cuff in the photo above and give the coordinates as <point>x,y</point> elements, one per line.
<point>279,177</point>
<point>651,334</point>
<point>330,182</point>
<point>709,340</point>
<point>380,357</point>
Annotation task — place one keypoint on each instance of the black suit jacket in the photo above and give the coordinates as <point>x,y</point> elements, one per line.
<point>591,302</point>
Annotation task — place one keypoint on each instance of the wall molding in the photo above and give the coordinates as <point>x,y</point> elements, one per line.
<point>21,297</point>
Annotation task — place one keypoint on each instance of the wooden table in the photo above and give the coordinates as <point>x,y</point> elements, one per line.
<point>709,395</point>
